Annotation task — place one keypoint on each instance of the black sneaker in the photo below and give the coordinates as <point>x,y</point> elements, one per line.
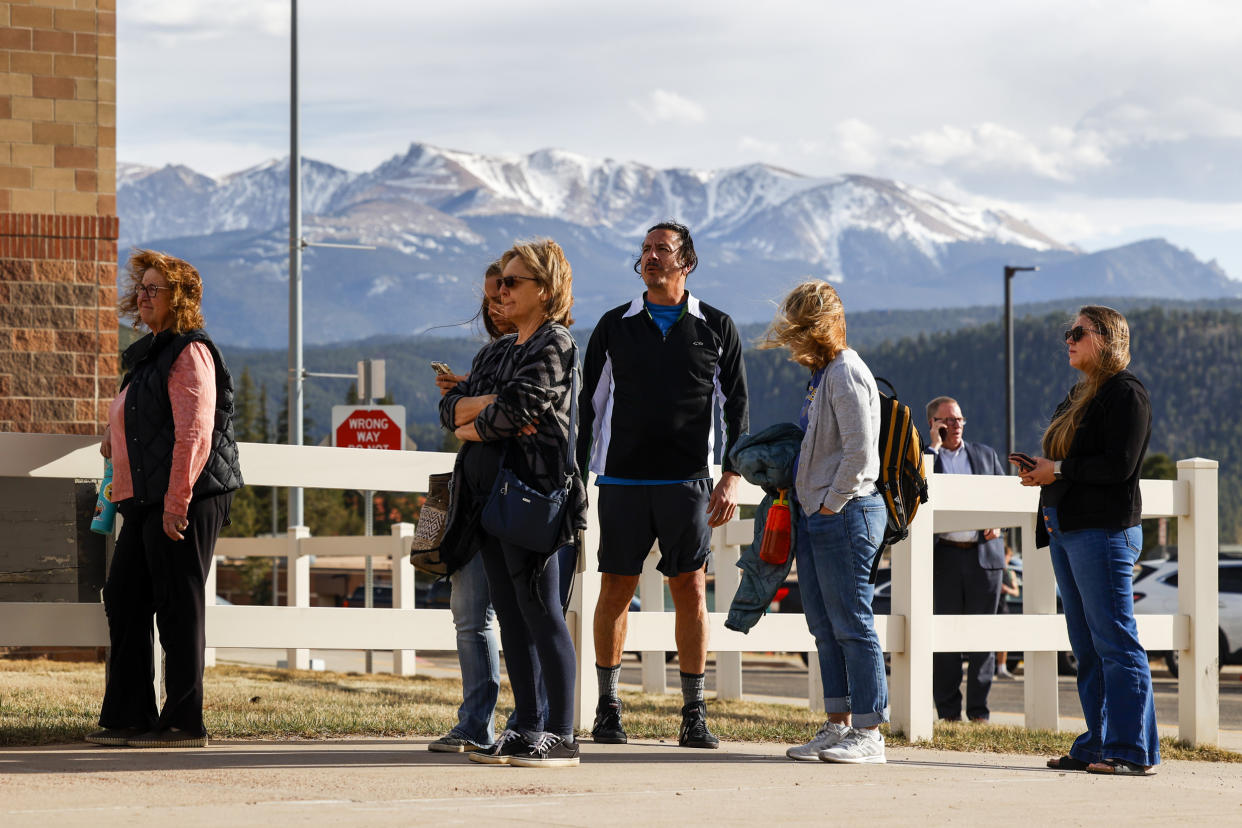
<point>694,732</point>
<point>550,751</point>
<point>115,736</point>
<point>509,744</point>
<point>169,737</point>
<point>607,729</point>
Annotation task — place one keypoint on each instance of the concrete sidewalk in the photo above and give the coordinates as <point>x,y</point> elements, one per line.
<point>399,782</point>
<point>347,660</point>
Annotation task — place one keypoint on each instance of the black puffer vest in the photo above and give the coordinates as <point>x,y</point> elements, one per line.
<point>149,421</point>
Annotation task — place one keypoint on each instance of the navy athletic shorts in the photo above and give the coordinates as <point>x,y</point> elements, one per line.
<point>631,518</point>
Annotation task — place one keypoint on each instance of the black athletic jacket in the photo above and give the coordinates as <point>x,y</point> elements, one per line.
<point>646,405</point>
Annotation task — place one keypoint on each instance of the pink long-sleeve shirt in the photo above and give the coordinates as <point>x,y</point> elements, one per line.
<point>192,392</point>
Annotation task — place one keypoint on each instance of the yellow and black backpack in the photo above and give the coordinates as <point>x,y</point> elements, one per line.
<point>903,478</point>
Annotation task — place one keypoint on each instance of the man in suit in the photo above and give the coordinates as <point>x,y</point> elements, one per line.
<point>966,569</point>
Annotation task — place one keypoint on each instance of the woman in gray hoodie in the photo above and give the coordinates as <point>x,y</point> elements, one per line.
<point>842,523</point>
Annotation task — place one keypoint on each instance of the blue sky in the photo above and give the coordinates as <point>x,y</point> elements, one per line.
<point>1102,122</point>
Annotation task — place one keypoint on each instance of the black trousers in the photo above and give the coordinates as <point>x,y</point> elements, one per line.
<point>153,575</point>
<point>539,653</point>
<point>960,586</point>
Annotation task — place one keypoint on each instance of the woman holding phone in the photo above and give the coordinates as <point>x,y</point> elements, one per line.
<point>1090,508</point>
<point>478,652</point>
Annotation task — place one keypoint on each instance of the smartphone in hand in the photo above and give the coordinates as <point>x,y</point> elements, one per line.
<point>1023,461</point>
<point>441,368</point>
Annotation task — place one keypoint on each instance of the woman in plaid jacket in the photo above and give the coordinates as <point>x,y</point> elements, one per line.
<point>525,418</point>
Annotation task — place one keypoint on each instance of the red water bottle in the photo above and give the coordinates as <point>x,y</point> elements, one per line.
<point>776,532</point>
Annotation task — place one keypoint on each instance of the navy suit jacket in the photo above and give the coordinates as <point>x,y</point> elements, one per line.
<point>983,460</point>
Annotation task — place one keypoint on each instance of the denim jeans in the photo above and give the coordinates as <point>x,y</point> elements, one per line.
<point>834,555</point>
<point>1095,570</point>
<point>478,653</point>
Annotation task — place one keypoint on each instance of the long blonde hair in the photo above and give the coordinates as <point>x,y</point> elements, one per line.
<point>810,323</point>
<point>1113,356</point>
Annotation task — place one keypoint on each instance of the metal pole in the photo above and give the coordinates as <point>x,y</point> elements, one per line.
<point>295,266</point>
<point>1008,360</point>
<point>1010,270</point>
<point>369,528</point>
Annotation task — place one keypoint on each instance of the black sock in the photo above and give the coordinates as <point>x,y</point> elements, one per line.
<point>608,678</point>
<point>691,687</point>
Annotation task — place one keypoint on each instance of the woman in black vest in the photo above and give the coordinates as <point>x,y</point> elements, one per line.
<point>1090,509</point>
<point>175,468</point>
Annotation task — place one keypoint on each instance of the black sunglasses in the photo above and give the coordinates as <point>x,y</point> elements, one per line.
<point>1076,333</point>
<point>510,281</point>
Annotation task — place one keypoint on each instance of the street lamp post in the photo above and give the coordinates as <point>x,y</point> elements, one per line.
<point>296,378</point>
<point>1010,270</point>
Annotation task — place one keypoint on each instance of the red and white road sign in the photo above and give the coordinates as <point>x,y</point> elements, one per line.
<point>370,427</point>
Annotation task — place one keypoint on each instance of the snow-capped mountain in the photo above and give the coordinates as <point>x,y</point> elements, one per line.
<point>438,216</point>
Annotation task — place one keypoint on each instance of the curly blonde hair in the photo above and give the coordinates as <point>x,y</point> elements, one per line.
<point>810,323</point>
<point>1113,356</point>
<point>546,261</point>
<point>187,289</point>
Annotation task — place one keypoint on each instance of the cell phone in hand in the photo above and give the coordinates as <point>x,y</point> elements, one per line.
<point>441,368</point>
<point>1025,461</point>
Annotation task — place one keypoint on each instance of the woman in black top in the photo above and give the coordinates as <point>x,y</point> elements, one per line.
<point>1090,505</point>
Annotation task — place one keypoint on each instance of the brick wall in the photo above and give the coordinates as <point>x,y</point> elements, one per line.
<point>58,225</point>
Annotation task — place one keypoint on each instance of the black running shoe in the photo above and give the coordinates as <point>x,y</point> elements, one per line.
<point>549,751</point>
<point>694,732</point>
<point>509,744</point>
<point>607,729</point>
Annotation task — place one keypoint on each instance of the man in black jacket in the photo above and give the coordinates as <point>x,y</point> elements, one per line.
<point>655,370</point>
<point>966,568</point>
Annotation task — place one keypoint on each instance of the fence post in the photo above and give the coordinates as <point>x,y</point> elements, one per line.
<point>814,683</point>
<point>581,621</point>
<point>402,590</point>
<point>651,595</point>
<point>297,593</point>
<point>1041,703</point>
<point>209,596</point>
<point>1198,548</point>
<point>910,691</point>
<point>728,577</point>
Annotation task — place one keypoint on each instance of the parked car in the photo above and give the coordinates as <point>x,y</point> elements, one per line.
<point>427,595</point>
<point>1155,593</point>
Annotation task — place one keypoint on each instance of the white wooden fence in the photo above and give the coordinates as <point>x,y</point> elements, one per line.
<point>911,634</point>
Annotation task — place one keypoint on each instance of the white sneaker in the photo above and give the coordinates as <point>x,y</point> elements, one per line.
<point>824,738</point>
<point>858,747</point>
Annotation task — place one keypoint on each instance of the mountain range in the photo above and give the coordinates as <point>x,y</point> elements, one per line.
<point>436,217</point>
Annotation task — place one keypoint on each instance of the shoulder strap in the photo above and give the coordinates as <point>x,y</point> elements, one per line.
<point>573,415</point>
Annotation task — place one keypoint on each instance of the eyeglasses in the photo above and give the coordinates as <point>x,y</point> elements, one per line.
<point>1076,333</point>
<point>510,281</point>
<point>950,420</point>
<point>151,291</point>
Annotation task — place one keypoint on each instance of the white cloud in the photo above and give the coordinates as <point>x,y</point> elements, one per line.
<point>750,145</point>
<point>208,19</point>
<point>661,106</point>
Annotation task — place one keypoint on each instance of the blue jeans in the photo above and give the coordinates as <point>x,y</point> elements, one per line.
<point>477,652</point>
<point>834,556</point>
<point>1095,570</point>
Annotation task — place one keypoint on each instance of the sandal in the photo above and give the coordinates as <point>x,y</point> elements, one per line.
<point>1067,763</point>
<point>1120,767</point>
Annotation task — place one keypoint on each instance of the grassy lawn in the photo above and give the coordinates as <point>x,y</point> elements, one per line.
<point>47,702</point>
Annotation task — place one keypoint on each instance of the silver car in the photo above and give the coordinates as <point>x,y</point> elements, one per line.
<point>1155,593</point>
